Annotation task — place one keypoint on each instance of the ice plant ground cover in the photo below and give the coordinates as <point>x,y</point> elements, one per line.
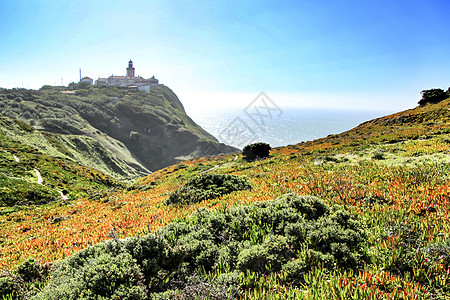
<point>390,174</point>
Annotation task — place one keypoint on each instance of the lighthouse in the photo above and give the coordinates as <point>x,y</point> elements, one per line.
<point>130,69</point>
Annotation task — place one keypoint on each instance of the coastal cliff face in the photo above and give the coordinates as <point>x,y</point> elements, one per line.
<point>120,132</point>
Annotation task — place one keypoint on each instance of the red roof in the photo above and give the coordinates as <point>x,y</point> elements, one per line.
<point>124,77</point>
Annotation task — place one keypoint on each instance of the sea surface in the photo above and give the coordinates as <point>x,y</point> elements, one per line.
<point>278,127</point>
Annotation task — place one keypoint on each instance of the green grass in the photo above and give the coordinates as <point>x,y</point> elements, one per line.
<point>387,180</point>
<point>18,181</point>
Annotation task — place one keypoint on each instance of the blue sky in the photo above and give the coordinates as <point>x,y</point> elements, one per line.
<point>323,53</point>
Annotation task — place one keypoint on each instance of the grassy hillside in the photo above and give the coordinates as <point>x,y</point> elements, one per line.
<point>373,223</point>
<point>28,176</point>
<point>118,131</point>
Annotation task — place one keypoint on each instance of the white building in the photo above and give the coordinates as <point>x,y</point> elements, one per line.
<point>130,80</point>
<point>87,79</point>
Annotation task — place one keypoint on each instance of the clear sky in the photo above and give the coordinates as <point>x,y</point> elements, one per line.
<point>324,53</point>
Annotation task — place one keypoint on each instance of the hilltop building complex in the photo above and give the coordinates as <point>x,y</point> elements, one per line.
<point>130,80</point>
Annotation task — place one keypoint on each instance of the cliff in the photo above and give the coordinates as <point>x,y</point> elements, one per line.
<point>120,132</point>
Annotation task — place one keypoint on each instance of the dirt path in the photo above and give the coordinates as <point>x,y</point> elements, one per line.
<point>14,156</point>
<point>40,180</point>
<point>215,167</point>
<point>38,174</point>
<point>63,197</point>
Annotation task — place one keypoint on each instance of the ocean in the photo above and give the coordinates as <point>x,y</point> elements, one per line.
<point>278,127</point>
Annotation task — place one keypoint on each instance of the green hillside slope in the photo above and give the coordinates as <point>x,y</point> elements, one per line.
<point>359,215</point>
<point>28,176</point>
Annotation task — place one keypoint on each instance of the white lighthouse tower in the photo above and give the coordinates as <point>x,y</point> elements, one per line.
<point>130,69</point>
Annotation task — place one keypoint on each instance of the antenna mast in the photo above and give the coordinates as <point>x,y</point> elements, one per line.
<point>80,74</point>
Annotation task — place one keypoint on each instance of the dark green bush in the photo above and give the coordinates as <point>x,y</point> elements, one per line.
<point>208,186</point>
<point>196,287</point>
<point>151,254</point>
<point>24,282</point>
<point>433,96</point>
<point>267,257</point>
<point>199,248</point>
<point>312,208</point>
<point>378,156</point>
<point>7,286</point>
<point>30,270</point>
<point>295,270</point>
<point>337,237</point>
<point>105,276</point>
<point>255,151</point>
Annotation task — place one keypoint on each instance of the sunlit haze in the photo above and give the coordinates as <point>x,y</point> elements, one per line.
<point>333,54</point>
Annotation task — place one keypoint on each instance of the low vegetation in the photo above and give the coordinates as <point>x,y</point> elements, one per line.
<point>292,234</point>
<point>359,215</point>
<point>208,186</point>
<point>256,151</point>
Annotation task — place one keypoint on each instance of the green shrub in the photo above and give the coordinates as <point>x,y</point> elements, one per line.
<point>196,287</point>
<point>28,278</point>
<point>292,233</point>
<point>151,254</point>
<point>198,248</point>
<point>295,270</point>
<point>255,151</point>
<point>310,207</point>
<point>267,257</point>
<point>7,286</point>
<point>433,96</point>
<point>378,156</point>
<point>105,276</point>
<point>208,186</point>
<point>30,270</point>
<point>253,258</point>
<point>338,235</point>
